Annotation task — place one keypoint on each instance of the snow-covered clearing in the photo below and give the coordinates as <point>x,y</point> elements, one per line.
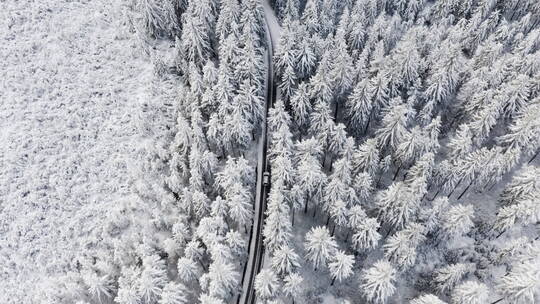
<point>71,84</point>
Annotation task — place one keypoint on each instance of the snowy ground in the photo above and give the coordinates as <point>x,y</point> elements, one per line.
<point>71,84</point>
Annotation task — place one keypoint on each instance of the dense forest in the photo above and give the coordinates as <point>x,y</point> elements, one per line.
<point>403,154</point>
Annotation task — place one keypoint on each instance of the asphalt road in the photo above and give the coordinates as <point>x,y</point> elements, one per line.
<point>256,246</point>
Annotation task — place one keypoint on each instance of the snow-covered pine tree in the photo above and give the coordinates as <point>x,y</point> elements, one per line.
<point>277,228</point>
<point>396,205</point>
<point>341,266</point>
<point>524,212</point>
<point>432,216</point>
<point>341,71</point>
<point>364,186</point>
<point>187,270</point>
<point>359,106</point>
<point>356,216</point>
<point>292,286</point>
<point>174,293</point>
<point>240,206</point>
<point>366,158</point>
<point>365,235</point>
<point>413,146</point>
<point>460,143</point>
<point>521,284</point>
<point>378,282</point>
<point>339,214</point>
<point>153,278</point>
<point>400,248</point>
<point>285,260</point>
<point>289,83</point>
<point>153,17</point>
<point>251,66</point>
<point>319,246</point>
<point>523,185</point>
<point>208,299</point>
<point>278,117</point>
<point>524,132</point>
<point>310,16</point>
<point>301,105</point>
<point>224,279</point>
<point>393,127</point>
<point>311,178</point>
<point>236,242</point>
<point>290,10</point>
<point>266,284</point>
<point>457,221</point>
<point>252,19</point>
<point>470,292</point>
<point>100,287</point>
<point>427,299</point>
<point>229,16</point>
<point>128,291</point>
<point>197,34</point>
<point>449,276</point>
<point>306,56</point>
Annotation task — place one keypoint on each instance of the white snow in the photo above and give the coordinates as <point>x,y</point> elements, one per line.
<point>71,80</point>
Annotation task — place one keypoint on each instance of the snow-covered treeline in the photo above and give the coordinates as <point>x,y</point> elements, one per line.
<point>186,240</point>
<point>403,152</point>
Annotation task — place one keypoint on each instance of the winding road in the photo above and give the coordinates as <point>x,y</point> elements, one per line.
<point>256,245</point>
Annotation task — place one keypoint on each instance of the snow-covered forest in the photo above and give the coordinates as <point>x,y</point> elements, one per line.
<point>402,151</point>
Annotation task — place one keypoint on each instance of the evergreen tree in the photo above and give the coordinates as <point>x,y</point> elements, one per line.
<point>153,278</point>
<point>401,247</point>
<point>196,41</point>
<point>396,205</point>
<point>229,15</point>
<point>457,220</point>
<point>207,299</point>
<point>427,299</point>
<point>522,284</point>
<point>360,105</point>
<point>470,292</point>
<point>523,185</point>
<point>366,235</point>
<point>154,19</point>
<point>310,175</point>
<point>341,266</point>
<point>292,286</point>
<point>277,228</point>
<point>412,146</point>
<point>377,282</point>
<point>301,105</point>
<point>187,270</point>
<point>236,242</point>
<point>393,127</point>
<point>100,287</point>
<point>320,246</point>
<point>174,293</point>
<point>449,276</point>
<point>363,186</point>
<point>128,292</point>
<point>285,260</point>
<point>433,216</point>
<point>366,158</point>
<point>461,143</point>
<point>224,279</point>
<point>306,54</point>
<point>339,214</point>
<point>266,284</point>
<point>524,132</point>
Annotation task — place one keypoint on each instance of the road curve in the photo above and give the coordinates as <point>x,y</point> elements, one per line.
<point>256,246</point>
